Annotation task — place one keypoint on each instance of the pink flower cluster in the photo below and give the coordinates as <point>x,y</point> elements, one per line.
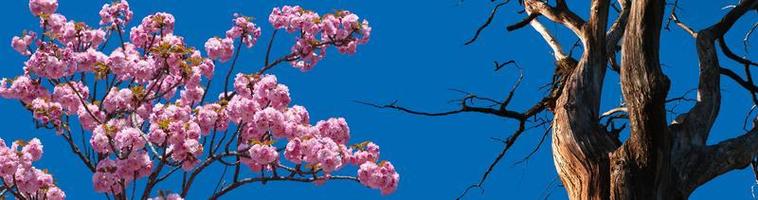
<point>172,196</point>
<point>23,88</point>
<point>219,48</point>
<point>380,176</point>
<point>117,13</point>
<point>322,145</point>
<point>70,96</point>
<point>172,126</point>
<point>223,48</point>
<point>316,32</point>
<point>16,171</point>
<point>111,175</point>
<point>40,7</point>
<point>156,25</point>
<point>135,115</point>
<point>21,44</point>
<point>49,61</point>
<point>75,35</point>
<point>243,27</point>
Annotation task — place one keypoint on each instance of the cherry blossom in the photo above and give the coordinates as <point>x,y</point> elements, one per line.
<point>23,179</point>
<point>117,13</point>
<point>21,44</point>
<point>144,103</point>
<point>380,176</point>
<point>218,48</point>
<point>40,7</point>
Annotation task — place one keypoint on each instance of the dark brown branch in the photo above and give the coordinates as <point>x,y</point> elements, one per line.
<point>613,36</point>
<point>674,18</point>
<point>245,181</point>
<point>486,23</point>
<point>464,108</point>
<point>498,65</point>
<point>536,147</point>
<point>715,160</point>
<point>730,54</point>
<point>557,15</point>
<point>701,117</point>
<point>742,82</point>
<point>523,22</point>
<point>507,144</point>
<point>74,148</point>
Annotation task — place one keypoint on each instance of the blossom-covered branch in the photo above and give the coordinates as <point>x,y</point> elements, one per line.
<point>151,118</point>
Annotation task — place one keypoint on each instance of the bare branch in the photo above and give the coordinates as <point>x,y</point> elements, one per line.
<point>681,24</point>
<point>507,145</point>
<point>245,181</point>
<point>549,38</point>
<point>701,117</point>
<point>486,23</point>
<point>715,160</point>
<point>529,18</point>
<point>557,14</point>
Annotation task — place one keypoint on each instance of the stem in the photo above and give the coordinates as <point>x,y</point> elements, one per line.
<point>229,73</point>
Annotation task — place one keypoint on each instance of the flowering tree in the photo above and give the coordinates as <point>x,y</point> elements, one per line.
<point>147,108</point>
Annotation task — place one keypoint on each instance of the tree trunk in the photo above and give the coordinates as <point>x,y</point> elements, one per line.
<point>657,161</point>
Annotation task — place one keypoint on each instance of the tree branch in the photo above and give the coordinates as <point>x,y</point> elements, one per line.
<point>486,23</point>
<point>559,14</point>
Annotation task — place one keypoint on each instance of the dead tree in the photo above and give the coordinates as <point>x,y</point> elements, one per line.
<point>660,159</point>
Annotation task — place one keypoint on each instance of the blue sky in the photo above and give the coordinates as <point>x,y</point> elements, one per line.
<point>415,56</point>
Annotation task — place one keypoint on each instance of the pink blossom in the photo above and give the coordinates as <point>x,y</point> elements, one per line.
<point>172,196</point>
<point>242,85</point>
<point>245,29</point>
<point>16,170</point>
<point>33,148</point>
<point>47,112</point>
<point>322,151</point>
<point>369,154</point>
<point>21,44</point>
<point>90,116</point>
<point>23,88</point>
<point>155,25</point>
<point>211,116</point>
<point>191,95</point>
<point>241,108</point>
<point>118,100</point>
<point>334,128</point>
<point>117,13</point>
<point>129,139</point>
<point>136,165</point>
<point>105,179</point>
<point>39,7</point>
<point>49,61</point>
<point>269,92</point>
<point>382,176</point>
<point>218,48</point>
<point>298,115</point>
<point>293,152</point>
<point>262,154</point>
<point>269,119</point>
<point>71,98</point>
<point>87,60</point>
<point>140,111</point>
<point>55,193</point>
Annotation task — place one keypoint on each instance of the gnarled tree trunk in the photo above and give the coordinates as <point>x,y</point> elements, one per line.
<point>657,161</point>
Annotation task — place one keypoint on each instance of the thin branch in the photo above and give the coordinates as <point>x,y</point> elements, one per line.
<point>528,19</point>
<point>242,182</point>
<point>486,23</point>
<point>507,145</point>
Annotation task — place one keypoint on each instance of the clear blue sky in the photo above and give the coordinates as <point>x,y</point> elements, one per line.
<point>415,55</point>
